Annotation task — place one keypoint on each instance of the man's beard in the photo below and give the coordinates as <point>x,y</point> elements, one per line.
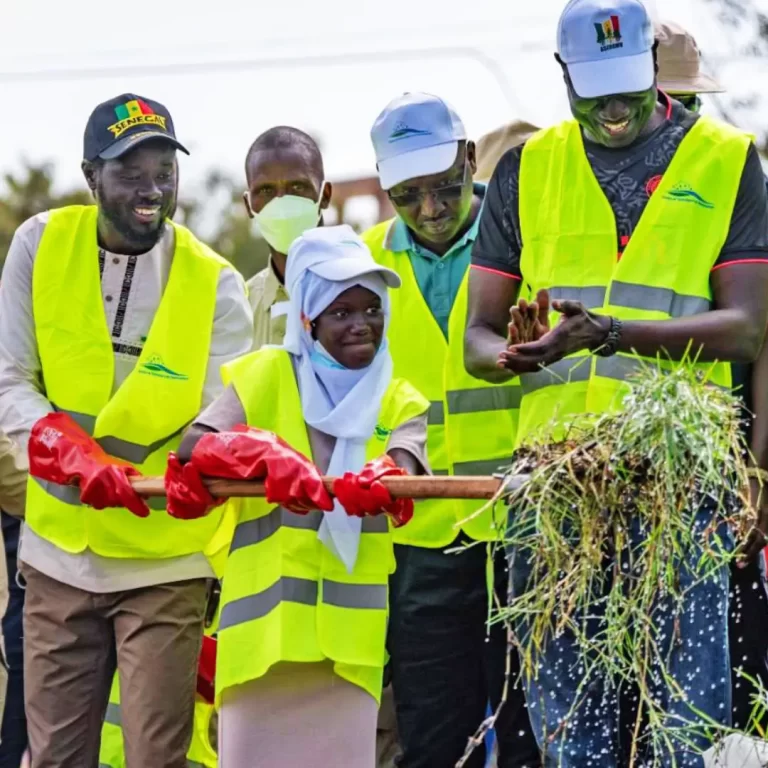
<point>140,238</point>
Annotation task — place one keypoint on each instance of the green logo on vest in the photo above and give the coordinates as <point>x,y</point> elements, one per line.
<point>682,193</point>
<point>155,367</point>
<point>381,432</point>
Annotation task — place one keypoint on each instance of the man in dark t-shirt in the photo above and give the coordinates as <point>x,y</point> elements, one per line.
<point>628,177</point>
<point>627,134</point>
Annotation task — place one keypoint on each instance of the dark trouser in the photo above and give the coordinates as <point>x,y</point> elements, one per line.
<point>13,738</point>
<point>589,703</point>
<point>747,639</point>
<point>446,666</point>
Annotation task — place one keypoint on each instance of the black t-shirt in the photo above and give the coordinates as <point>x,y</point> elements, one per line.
<point>627,177</point>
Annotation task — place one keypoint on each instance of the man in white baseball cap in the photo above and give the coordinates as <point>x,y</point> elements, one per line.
<point>447,666</point>
<point>639,227</point>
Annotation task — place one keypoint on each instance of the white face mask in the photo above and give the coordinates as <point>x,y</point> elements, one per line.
<point>285,218</point>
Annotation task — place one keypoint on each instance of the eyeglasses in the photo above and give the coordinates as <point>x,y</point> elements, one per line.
<point>442,194</point>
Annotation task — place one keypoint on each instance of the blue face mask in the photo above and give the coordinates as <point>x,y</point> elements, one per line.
<point>320,356</point>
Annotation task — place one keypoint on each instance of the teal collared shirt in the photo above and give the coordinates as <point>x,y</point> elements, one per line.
<point>438,277</point>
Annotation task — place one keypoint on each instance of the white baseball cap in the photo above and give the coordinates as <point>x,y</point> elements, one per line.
<point>336,254</point>
<point>607,47</point>
<point>416,135</point>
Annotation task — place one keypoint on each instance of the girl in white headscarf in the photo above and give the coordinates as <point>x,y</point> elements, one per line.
<point>304,601</point>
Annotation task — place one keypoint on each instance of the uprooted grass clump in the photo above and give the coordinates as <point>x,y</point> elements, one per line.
<point>605,525</point>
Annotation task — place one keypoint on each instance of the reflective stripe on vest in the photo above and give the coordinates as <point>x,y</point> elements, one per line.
<point>140,421</point>
<point>634,296</point>
<point>485,467</point>
<point>70,494</point>
<point>569,248</point>
<point>573,369</point>
<point>471,424</point>
<point>591,296</point>
<point>436,413</point>
<point>114,717</point>
<point>136,453</point>
<point>304,591</point>
<point>562,372</point>
<point>254,531</point>
<point>485,399</point>
<point>285,594</point>
<point>664,300</point>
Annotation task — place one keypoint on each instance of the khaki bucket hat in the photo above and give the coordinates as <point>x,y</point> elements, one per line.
<point>493,145</point>
<point>680,62</point>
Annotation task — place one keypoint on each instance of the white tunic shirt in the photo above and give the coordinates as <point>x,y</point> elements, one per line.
<point>131,288</point>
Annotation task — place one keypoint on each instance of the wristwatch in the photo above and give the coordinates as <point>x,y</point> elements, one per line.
<point>611,341</point>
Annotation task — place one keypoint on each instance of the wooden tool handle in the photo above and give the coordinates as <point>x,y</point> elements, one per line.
<point>424,487</point>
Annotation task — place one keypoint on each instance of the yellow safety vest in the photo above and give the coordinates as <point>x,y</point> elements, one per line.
<point>472,424</point>
<point>201,753</point>
<point>143,420</point>
<point>569,248</point>
<point>285,597</point>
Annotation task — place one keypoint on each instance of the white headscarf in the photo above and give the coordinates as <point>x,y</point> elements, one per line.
<point>344,403</point>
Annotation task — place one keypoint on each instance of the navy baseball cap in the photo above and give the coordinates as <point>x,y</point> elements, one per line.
<point>120,124</point>
<point>417,134</point>
<point>607,47</point>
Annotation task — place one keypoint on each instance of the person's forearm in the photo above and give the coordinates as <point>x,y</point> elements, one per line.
<point>407,461</point>
<point>759,406</point>
<point>22,403</point>
<point>190,439</point>
<point>482,347</point>
<point>727,335</point>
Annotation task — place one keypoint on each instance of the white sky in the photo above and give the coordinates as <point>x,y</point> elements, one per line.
<point>490,58</point>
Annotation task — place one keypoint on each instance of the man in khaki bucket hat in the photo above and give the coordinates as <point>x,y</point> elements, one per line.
<point>679,60</point>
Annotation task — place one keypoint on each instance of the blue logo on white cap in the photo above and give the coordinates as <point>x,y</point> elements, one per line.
<point>402,131</point>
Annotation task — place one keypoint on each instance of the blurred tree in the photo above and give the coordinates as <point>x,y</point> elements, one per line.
<point>27,194</point>
<point>233,232</point>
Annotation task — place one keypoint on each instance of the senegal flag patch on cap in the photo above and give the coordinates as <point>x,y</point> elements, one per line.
<point>136,112</point>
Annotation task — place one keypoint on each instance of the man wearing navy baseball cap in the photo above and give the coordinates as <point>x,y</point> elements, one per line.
<point>115,322</point>
<point>638,227</point>
<point>446,667</point>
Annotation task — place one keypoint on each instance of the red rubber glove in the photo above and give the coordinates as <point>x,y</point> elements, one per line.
<point>60,451</point>
<point>246,453</point>
<point>206,669</point>
<point>363,493</point>
<point>187,498</point>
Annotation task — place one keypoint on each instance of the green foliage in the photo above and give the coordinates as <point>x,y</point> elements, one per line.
<point>233,234</point>
<point>28,194</point>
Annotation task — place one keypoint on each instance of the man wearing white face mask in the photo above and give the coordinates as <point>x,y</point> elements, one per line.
<point>286,195</point>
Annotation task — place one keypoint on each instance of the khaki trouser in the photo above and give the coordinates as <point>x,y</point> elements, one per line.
<point>74,640</point>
